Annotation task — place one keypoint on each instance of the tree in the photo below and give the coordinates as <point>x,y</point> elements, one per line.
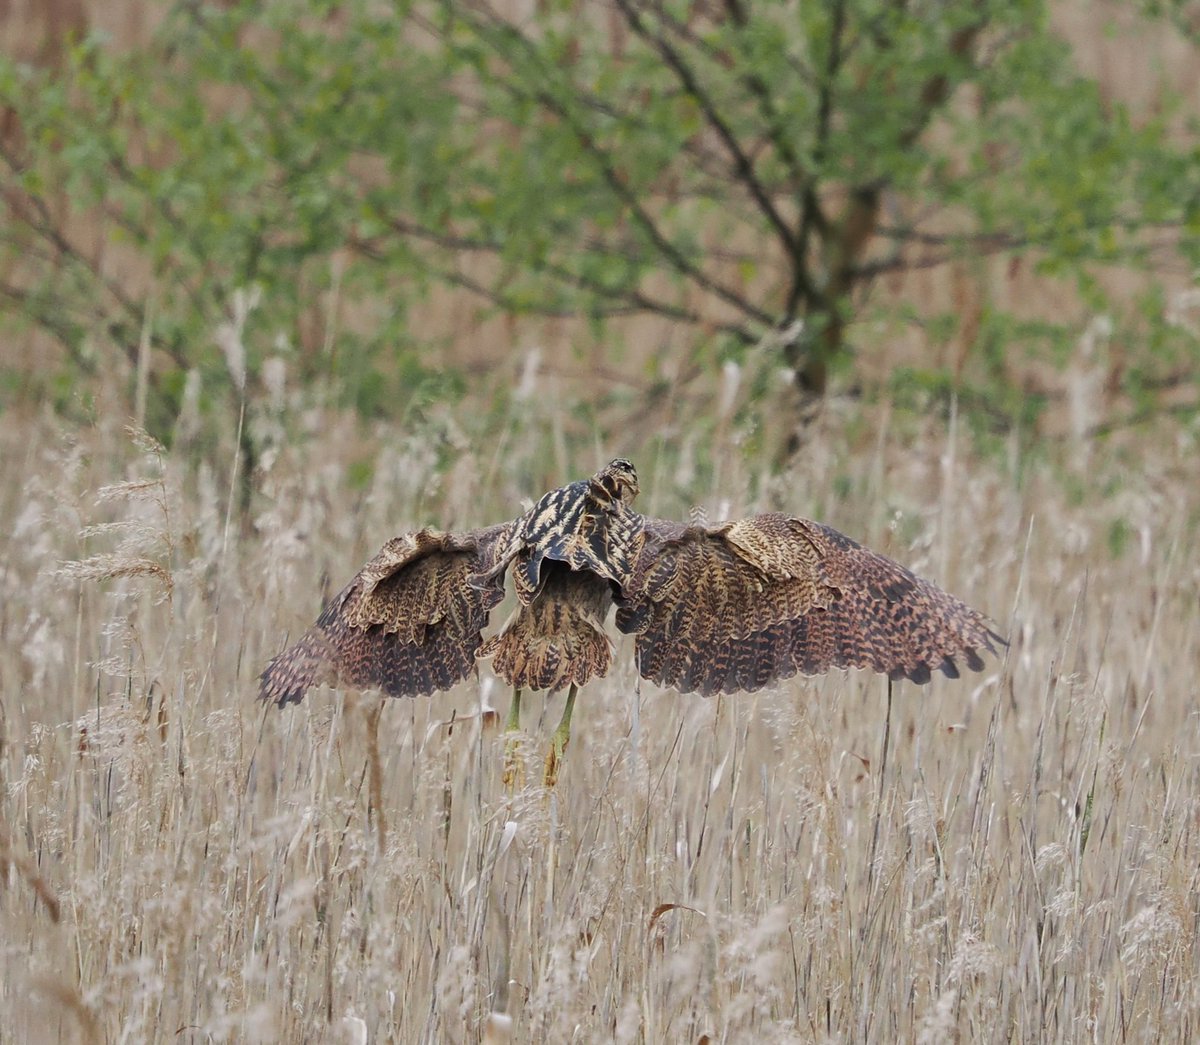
<point>736,167</point>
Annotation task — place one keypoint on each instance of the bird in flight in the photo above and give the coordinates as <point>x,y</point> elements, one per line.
<point>712,609</point>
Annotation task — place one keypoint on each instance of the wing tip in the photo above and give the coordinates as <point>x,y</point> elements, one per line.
<point>969,655</point>
<point>276,687</point>
<point>289,675</point>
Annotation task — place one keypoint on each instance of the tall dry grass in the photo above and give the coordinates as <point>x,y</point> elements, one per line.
<point>179,864</point>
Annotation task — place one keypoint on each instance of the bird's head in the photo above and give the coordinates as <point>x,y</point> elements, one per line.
<point>616,482</point>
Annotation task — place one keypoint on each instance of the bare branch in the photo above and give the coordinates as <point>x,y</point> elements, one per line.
<point>741,162</point>
<point>776,129</point>
<point>603,161</point>
<point>634,304</point>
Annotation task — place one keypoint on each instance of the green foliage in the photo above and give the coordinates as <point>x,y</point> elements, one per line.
<point>725,170</point>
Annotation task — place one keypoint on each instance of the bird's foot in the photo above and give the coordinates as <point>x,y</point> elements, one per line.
<point>514,764</point>
<point>554,757</point>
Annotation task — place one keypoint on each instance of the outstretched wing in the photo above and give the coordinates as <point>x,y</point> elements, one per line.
<point>736,606</point>
<point>409,623</point>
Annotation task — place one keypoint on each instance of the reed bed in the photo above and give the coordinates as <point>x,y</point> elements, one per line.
<point>1009,857</point>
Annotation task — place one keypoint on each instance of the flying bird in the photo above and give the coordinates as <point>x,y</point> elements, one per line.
<point>713,609</point>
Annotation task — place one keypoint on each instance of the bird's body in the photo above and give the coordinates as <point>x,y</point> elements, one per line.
<point>558,638</point>
<point>713,609</point>
<point>587,525</point>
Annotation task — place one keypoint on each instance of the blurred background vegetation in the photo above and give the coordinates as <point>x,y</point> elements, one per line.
<point>215,215</point>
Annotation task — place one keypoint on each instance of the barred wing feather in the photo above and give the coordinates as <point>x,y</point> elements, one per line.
<point>409,623</point>
<point>737,606</point>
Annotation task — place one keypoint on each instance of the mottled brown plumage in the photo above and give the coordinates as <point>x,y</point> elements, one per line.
<point>558,637</point>
<point>736,606</point>
<point>713,609</point>
<point>410,623</point>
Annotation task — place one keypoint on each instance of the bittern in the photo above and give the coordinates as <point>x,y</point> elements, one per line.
<point>714,609</point>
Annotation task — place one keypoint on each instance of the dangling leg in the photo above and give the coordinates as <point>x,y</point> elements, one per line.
<point>513,769</point>
<point>562,737</point>
<point>513,725</point>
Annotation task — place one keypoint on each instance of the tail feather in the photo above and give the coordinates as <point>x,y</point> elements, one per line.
<point>530,658</point>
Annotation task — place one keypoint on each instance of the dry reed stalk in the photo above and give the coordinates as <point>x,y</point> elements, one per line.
<point>1018,868</point>
<point>27,870</point>
<point>54,991</point>
<point>371,716</point>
